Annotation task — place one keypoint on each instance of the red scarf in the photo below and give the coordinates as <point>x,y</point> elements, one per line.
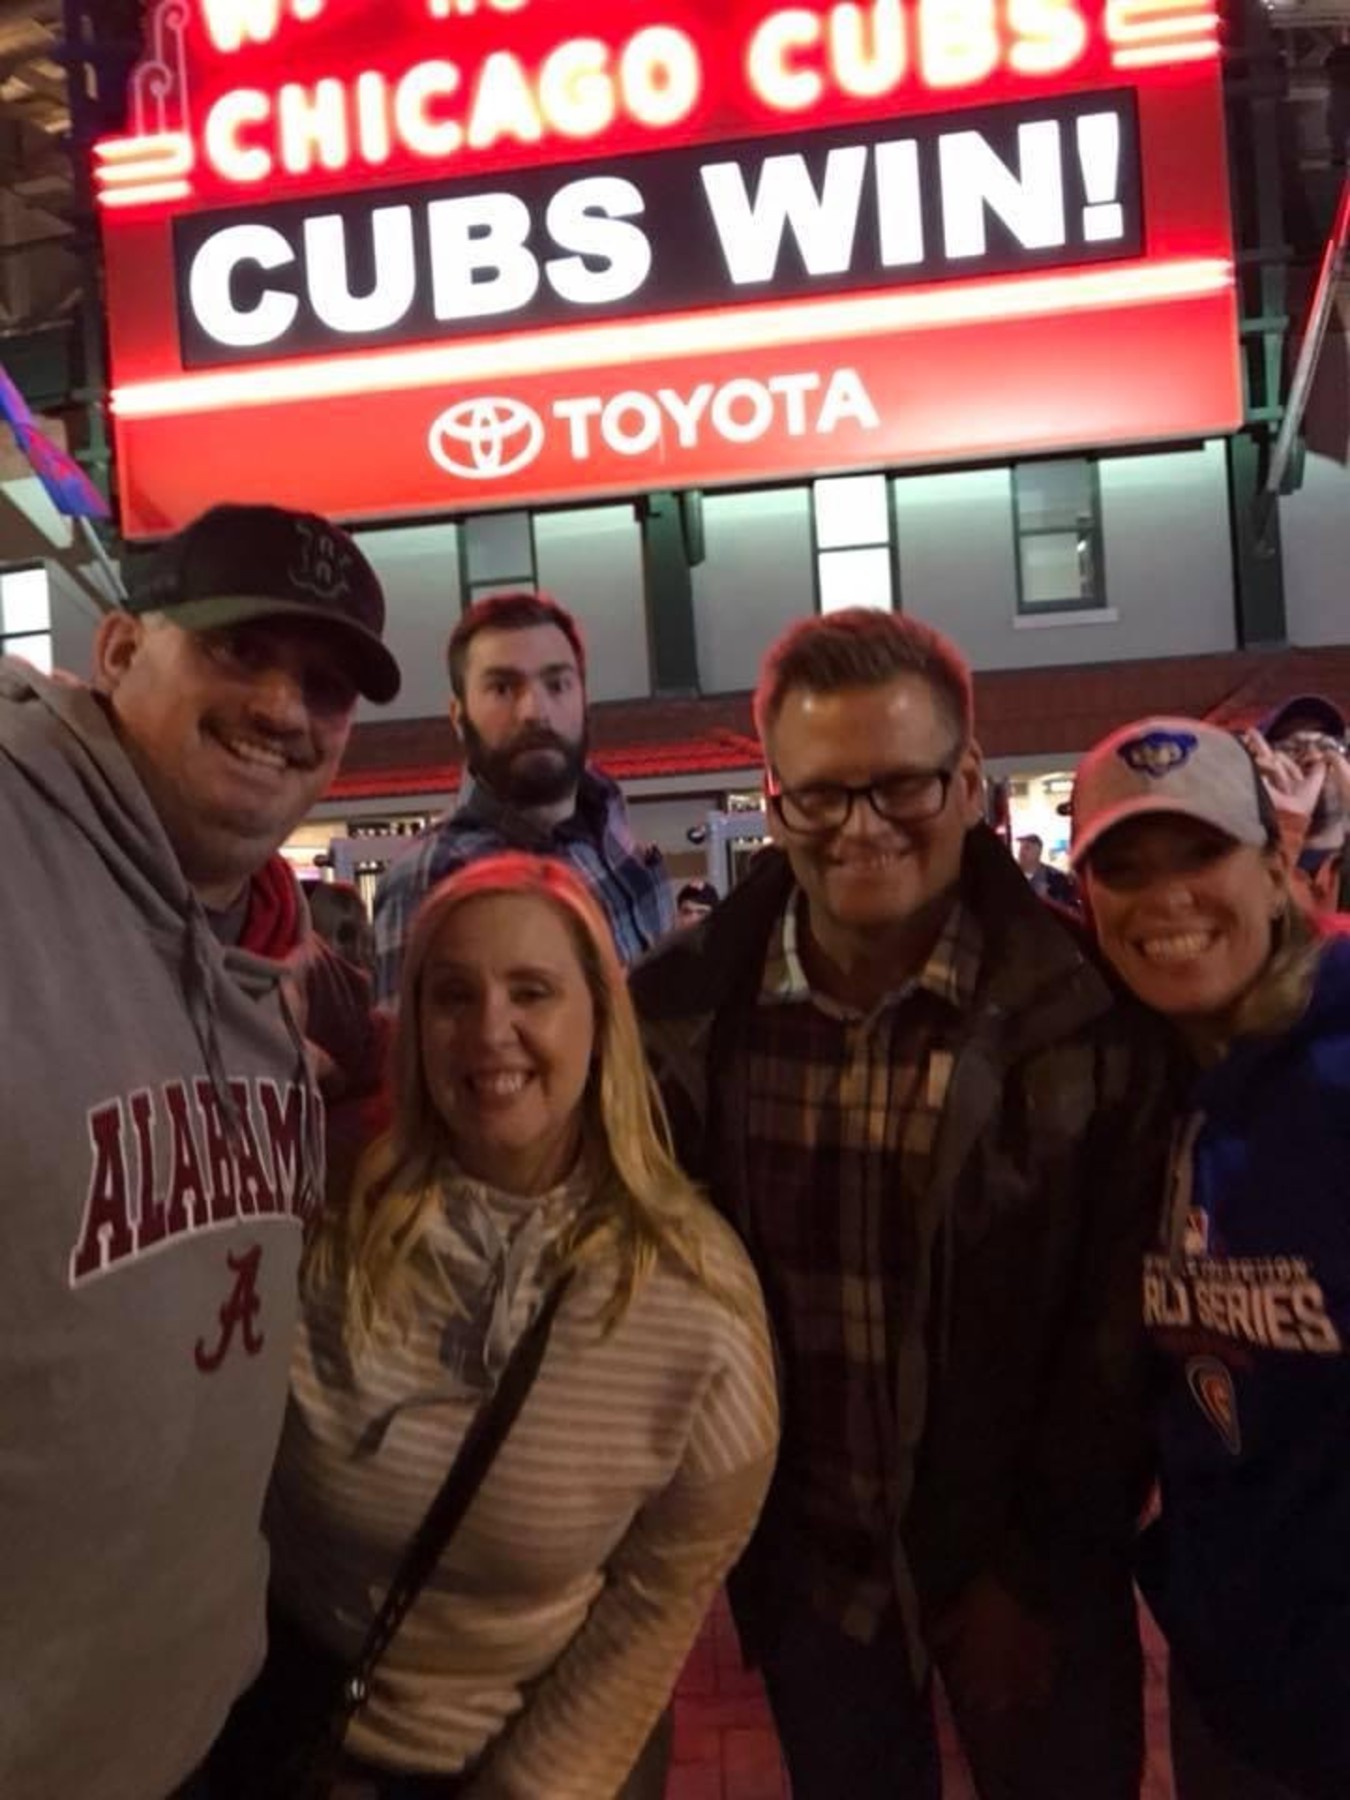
<point>272,923</point>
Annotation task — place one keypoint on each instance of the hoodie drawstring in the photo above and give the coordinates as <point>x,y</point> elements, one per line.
<point>199,986</point>
<point>315,1153</point>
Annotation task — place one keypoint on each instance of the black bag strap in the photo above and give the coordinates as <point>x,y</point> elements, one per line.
<point>487,1433</point>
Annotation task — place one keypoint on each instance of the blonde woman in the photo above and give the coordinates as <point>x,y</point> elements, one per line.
<point>526,1141</point>
<point>1247,1296</point>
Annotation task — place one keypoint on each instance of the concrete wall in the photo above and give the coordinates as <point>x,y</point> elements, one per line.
<point>1315,536</point>
<point>757,578</point>
<point>1167,559</point>
<point>74,621</point>
<point>592,562</point>
<point>419,567</point>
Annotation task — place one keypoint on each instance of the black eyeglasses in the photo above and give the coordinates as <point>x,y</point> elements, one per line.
<point>904,797</point>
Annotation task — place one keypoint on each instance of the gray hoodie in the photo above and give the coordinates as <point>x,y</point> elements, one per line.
<point>159,1151</point>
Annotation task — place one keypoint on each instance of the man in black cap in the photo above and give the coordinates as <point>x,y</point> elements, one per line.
<point>160,1136</point>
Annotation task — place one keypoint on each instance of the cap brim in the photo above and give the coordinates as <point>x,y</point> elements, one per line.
<point>373,670</point>
<point>1142,806</point>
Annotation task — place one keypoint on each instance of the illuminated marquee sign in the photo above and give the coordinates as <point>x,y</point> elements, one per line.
<point>406,256</point>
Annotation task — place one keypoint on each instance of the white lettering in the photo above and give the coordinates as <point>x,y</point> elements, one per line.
<point>479,260</point>
<point>211,284</point>
<point>794,389</point>
<point>899,203</point>
<point>739,411</point>
<point>644,436</point>
<point>577,414</point>
<point>846,398</point>
<point>588,218</point>
<point>576,94</point>
<point>424,135</point>
<point>775,40</point>
<point>757,419</point>
<point>223,136</point>
<point>328,271</point>
<point>687,413</point>
<point>661,76</point>
<point>372,117</point>
<point>975,179</point>
<point>868,49</point>
<point>313,126</point>
<point>823,224</point>
<point>504,106</point>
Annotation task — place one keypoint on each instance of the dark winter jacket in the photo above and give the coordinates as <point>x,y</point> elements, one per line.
<point>1248,1299</point>
<point>1021,1347</point>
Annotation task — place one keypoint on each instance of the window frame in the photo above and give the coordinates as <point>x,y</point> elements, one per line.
<point>887,543</point>
<point>1072,607</point>
<point>12,642</point>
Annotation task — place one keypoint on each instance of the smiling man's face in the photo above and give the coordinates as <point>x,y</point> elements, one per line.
<point>235,733</point>
<point>871,875</point>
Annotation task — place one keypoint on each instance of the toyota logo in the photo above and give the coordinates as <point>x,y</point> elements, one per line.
<point>486,438</point>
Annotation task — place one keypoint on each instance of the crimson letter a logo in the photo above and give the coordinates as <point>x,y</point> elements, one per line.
<point>239,1313</point>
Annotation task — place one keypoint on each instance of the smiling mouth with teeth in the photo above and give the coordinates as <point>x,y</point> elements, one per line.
<point>1182,946</point>
<point>499,1087</point>
<point>259,756</point>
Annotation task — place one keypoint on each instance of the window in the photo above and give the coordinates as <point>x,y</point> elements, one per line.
<point>854,561</point>
<point>497,554</point>
<point>1057,518</point>
<point>26,616</point>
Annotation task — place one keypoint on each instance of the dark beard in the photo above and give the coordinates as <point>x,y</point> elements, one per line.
<point>523,783</point>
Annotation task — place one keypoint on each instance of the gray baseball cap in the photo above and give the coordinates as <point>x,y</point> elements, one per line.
<point>1167,765</point>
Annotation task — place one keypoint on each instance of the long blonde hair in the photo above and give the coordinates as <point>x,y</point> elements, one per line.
<point>640,1205</point>
<point>1279,996</point>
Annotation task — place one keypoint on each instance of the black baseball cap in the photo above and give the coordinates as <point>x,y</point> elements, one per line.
<point>702,893</point>
<point>234,563</point>
<point>1321,713</point>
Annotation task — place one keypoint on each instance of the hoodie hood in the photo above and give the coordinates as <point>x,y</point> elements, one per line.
<point>60,735</point>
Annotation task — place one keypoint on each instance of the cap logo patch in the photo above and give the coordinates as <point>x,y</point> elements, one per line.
<point>1158,753</point>
<point>323,563</point>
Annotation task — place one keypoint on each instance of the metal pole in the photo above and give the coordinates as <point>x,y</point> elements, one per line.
<point>106,565</point>
<point>1305,367</point>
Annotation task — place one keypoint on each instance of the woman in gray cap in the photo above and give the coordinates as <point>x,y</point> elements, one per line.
<point>1247,1293</point>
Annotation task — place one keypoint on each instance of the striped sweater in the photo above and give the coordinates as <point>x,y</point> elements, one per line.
<point>555,1626</point>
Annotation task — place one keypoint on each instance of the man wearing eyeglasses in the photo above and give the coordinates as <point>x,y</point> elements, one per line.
<point>915,1097</point>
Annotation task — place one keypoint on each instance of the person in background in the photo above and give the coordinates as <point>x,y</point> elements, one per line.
<point>160,1136</point>
<point>1302,753</point>
<point>1047,883</point>
<point>1247,1292</point>
<point>518,701</point>
<point>526,1142</point>
<point>694,901</point>
<point>938,1133</point>
<point>339,916</point>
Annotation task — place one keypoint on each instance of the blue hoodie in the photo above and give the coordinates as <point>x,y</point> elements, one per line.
<point>1248,1299</point>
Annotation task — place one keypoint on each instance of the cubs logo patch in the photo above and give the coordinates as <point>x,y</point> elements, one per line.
<point>1212,1388</point>
<point>1158,753</point>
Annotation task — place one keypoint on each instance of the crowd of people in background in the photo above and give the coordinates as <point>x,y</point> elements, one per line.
<point>889,1237</point>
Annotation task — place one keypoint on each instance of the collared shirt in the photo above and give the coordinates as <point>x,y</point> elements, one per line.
<point>596,841</point>
<point>842,1114</point>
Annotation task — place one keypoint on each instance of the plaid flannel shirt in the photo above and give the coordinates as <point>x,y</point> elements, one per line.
<point>596,841</point>
<point>843,1109</point>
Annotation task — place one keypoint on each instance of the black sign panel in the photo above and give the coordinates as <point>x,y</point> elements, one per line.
<point>1038,185</point>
